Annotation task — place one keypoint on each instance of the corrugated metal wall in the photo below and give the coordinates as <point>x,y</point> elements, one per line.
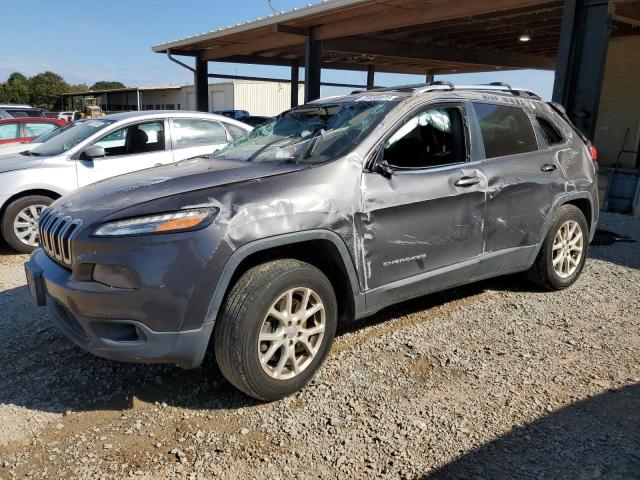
<point>258,98</point>
<point>264,98</point>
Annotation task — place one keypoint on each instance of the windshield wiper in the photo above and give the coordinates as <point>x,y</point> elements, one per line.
<point>29,153</point>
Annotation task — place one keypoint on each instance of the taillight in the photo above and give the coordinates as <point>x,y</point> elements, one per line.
<point>593,152</point>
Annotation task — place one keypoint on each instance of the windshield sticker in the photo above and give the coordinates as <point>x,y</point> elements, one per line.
<point>95,124</point>
<point>377,98</point>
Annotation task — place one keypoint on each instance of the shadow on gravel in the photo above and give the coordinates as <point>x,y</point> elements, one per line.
<point>510,283</point>
<point>619,253</point>
<point>6,250</point>
<point>42,370</point>
<point>415,305</point>
<point>598,438</point>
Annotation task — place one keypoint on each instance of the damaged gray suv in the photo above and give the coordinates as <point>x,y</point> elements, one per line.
<point>330,213</point>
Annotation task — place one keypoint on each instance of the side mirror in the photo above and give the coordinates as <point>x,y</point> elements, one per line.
<point>381,165</point>
<point>94,151</point>
<point>384,169</point>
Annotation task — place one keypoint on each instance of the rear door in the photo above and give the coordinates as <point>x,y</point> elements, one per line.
<point>426,212</point>
<point>523,176</point>
<point>192,137</point>
<point>133,147</point>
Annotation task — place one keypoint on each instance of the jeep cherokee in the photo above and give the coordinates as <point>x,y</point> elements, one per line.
<point>336,209</point>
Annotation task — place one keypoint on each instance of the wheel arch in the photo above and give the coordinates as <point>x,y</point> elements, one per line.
<point>25,193</point>
<point>321,248</point>
<point>584,205</point>
<point>581,200</point>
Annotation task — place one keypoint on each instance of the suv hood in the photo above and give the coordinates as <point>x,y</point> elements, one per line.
<point>12,162</point>
<point>107,197</point>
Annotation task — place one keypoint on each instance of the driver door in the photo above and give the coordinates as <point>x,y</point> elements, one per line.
<point>127,149</point>
<point>423,210</point>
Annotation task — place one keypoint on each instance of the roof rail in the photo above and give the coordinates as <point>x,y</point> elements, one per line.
<point>494,86</point>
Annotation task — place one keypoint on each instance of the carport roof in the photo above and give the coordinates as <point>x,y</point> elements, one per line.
<point>403,36</point>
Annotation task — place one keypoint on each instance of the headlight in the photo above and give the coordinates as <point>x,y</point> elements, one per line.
<point>190,219</point>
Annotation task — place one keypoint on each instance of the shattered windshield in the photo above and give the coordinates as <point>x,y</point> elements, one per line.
<point>312,133</point>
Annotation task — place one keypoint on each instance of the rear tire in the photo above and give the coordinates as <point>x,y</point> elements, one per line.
<point>559,263</point>
<point>20,222</point>
<point>275,328</point>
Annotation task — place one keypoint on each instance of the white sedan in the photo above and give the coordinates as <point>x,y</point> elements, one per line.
<point>91,150</point>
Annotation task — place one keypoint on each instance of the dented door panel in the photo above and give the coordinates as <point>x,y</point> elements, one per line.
<point>519,197</point>
<point>416,222</point>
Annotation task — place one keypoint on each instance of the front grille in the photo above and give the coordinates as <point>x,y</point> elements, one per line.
<point>55,233</point>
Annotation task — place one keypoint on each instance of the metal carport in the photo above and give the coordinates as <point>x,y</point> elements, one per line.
<point>428,37</point>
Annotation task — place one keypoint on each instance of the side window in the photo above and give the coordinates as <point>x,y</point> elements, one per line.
<point>550,132</point>
<point>35,129</point>
<point>236,132</point>
<point>197,133</point>
<point>431,138</point>
<point>9,131</point>
<point>134,139</point>
<point>505,130</point>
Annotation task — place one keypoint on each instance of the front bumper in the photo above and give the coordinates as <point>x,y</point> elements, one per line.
<point>83,311</point>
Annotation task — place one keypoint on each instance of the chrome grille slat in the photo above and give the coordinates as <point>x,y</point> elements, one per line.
<point>56,232</point>
<point>44,223</point>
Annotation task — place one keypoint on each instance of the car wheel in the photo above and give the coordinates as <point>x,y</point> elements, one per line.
<point>564,251</point>
<point>275,328</point>
<point>20,222</point>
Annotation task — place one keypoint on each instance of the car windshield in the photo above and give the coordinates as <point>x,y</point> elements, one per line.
<point>313,133</point>
<point>69,136</point>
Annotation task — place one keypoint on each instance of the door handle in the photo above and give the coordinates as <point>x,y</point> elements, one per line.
<point>467,182</point>
<point>548,167</point>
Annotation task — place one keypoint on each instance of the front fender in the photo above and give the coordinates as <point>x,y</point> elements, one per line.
<point>279,241</point>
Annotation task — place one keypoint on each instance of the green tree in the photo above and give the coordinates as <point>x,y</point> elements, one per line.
<point>81,87</point>
<point>16,88</point>
<point>46,88</point>
<point>106,85</point>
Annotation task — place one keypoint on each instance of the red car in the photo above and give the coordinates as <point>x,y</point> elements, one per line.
<point>26,129</point>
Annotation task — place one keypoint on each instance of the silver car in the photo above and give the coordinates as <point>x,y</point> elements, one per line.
<point>91,150</point>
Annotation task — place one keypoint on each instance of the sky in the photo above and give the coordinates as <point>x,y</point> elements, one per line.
<point>87,41</point>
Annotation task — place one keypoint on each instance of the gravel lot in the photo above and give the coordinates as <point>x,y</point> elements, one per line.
<point>495,381</point>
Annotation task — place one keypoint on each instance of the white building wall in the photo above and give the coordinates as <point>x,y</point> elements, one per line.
<point>264,98</point>
<point>258,98</point>
<point>221,96</point>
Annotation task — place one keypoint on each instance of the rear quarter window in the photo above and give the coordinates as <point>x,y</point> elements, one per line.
<point>550,132</point>
<point>235,131</point>
<point>505,130</point>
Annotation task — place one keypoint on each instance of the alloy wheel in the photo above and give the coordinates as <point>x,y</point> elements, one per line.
<point>291,333</point>
<point>568,246</point>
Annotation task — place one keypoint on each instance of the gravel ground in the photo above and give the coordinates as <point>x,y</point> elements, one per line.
<point>494,380</point>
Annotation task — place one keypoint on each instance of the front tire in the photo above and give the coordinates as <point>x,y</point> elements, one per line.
<point>275,328</point>
<point>564,251</point>
<point>20,222</point>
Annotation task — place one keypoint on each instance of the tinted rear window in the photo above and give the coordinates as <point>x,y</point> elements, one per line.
<point>505,130</point>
